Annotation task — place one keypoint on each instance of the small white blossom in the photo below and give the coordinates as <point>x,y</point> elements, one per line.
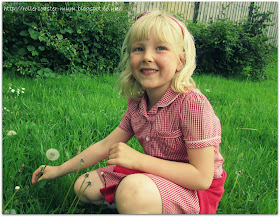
<point>17,188</point>
<point>22,91</point>
<point>10,211</point>
<point>23,88</point>
<point>5,109</point>
<point>12,90</point>
<point>207,90</point>
<point>11,133</point>
<point>52,154</point>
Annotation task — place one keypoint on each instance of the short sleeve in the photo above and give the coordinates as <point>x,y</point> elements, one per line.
<point>200,126</point>
<point>125,123</point>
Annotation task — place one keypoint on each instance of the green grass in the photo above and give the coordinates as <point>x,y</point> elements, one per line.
<point>71,112</point>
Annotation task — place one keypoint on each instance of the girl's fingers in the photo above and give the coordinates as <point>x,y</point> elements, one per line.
<point>36,174</point>
<point>113,156</point>
<point>111,162</point>
<point>111,149</point>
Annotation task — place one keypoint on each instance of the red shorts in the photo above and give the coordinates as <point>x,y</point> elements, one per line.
<point>175,198</point>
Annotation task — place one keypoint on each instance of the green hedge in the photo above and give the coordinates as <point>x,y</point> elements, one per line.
<point>87,37</point>
<point>231,48</point>
<point>70,37</point>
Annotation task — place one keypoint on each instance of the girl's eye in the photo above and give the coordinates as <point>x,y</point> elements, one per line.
<point>161,48</point>
<point>137,49</point>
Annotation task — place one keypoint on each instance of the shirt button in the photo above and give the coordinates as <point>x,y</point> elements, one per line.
<point>147,139</point>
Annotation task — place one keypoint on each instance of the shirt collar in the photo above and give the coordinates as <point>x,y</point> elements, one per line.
<point>168,97</point>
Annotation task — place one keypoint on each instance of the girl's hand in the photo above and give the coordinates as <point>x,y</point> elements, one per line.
<point>122,155</point>
<point>50,172</point>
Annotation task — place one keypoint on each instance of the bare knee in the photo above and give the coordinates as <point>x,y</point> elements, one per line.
<point>90,193</point>
<point>138,194</point>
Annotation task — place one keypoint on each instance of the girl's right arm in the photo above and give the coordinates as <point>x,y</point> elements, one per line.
<point>92,155</point>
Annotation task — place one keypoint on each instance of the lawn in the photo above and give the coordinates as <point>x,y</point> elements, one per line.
<point>69,113</point>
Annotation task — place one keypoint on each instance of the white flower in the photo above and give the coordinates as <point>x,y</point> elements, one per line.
<point>22,91</point>
<point>17,188</point>
<point>11,133</point>
<point>12,90</point>
<point>23,88</point>
<point>52,154</point>
<point>207,90</point>
<point>10,211</point>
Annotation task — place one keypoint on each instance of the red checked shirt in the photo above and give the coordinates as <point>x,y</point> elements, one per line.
<point>178,121</point>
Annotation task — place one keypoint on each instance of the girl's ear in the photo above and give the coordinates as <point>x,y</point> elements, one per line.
<point>181,62</point>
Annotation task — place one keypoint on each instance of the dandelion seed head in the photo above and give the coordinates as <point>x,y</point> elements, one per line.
<point>11,133</point>
<point>89,183</point>
<point>52,154</point>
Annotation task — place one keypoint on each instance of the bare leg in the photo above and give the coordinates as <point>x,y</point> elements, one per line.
<point>92,193</point>
<point>138,194</point>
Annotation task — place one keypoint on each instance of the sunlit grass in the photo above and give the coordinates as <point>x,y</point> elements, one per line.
<point>69,113</point>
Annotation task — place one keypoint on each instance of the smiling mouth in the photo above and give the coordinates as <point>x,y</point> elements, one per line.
<point>148,71</point>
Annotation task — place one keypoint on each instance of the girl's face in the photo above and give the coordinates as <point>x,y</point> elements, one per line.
<point>154,63</point>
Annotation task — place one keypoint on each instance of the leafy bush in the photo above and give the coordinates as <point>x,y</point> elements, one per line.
<point>231,48</point>
<point>63,37</point>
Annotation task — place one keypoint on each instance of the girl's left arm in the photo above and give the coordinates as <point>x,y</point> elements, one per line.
<point>195,175</point>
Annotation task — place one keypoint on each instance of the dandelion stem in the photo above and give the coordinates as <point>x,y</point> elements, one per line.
<point>268,194</point>
<point>235,183</point>
<point>11,199</point>
<point>100,210</point>
<point>238,174</point>
<point>77,193</point>
<point>42,170</point>
<point>70,188</point>
<point>89,183</point>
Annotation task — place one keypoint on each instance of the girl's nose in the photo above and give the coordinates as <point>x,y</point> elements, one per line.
<point>148,56</point>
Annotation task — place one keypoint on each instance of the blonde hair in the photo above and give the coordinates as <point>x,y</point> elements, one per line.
<point>166,29</point>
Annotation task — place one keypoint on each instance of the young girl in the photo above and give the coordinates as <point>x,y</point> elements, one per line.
<point>180,171</point>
